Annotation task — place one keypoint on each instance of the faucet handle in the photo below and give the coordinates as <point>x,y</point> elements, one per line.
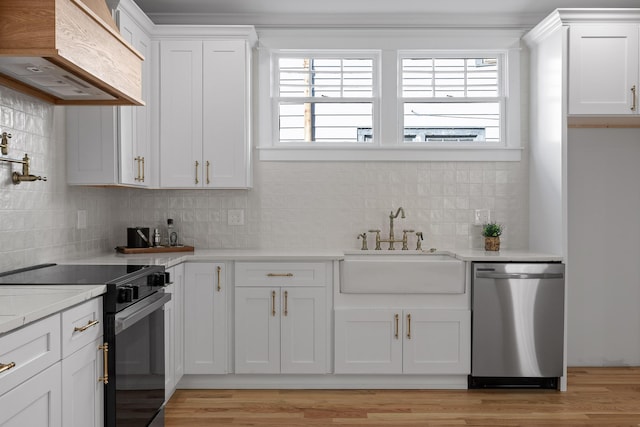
<point>405,246</point>
<point>377,238</point>
<point>419,241</point>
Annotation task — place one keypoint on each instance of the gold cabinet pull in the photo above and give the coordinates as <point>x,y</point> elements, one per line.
<point>280,275</point>
<point>105,363</point>
<point>137,159</point>
<point>397,321</point>
<point>197,164</point>
<point>218,270</point>
<point>208,164</point>
<point>6,367</point>
<point>408,326</point>
<point>286,305</point>
<point>87,326</point>
<point>633,98</point>
<point>142,160</point>
<point>273,303</point>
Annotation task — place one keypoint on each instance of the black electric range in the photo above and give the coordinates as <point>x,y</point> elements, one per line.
<point>133,334</point>
<point>126,284</point>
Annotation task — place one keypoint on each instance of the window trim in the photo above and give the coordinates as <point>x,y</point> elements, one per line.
<point>388,145</point>
<point>276,54</point>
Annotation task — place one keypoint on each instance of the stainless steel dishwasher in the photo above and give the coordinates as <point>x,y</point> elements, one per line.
<point>517,325</point>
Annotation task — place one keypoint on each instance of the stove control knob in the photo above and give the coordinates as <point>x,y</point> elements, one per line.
<point>136,291</point>
<point>156,279</point>
<point>125,294</point>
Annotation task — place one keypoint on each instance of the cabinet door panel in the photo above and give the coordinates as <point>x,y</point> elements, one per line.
<point>303,339</point>
<point>225,108</point>
<point>180,113</point>
<point>82,393</point>
<point>134,121</point>
<point>603,67</point>
<point>205,319</point>
<point>36,402</point>
<point>439,342</point>
<point>257,326</point>
<point>368,341</point>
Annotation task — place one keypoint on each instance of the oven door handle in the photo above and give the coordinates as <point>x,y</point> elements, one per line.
<point>138,311</point>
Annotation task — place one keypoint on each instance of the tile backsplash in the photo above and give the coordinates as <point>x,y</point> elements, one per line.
<point>326,205</point>
<point>38,219</point>
<point>322,205</point>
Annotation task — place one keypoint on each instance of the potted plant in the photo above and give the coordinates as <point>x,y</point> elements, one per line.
<point>491,233</point>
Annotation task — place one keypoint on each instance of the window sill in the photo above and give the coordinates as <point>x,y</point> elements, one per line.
<point>400,154</point>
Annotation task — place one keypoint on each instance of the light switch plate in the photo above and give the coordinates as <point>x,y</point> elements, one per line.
<point>235,217</point>
<point>482,216</point>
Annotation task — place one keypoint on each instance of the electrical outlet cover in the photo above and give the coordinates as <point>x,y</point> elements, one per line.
<point>235,217</point>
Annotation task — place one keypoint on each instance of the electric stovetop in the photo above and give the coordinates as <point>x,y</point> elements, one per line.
<point>77,274</point>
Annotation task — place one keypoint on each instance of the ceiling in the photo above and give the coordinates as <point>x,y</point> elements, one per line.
<point>383,12</point>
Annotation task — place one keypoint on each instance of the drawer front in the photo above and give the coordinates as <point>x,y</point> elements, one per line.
<point>32,349</point>
<point>280,274</point>
<point>81,325</point>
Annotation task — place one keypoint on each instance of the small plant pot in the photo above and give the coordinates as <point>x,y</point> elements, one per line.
<point>492,243</point>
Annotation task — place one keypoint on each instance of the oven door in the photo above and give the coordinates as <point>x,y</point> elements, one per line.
<point>135,392</point>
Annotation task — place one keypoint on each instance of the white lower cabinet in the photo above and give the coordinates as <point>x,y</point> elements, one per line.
<point>83,394</point>
<point>35,402</point>
<point>173,330</point>
<point>395,341</point>
<point>205,318</point>
<point>52,370</point>
<point>280,330</point>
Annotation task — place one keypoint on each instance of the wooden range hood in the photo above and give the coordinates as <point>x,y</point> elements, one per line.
<point>67,52</point>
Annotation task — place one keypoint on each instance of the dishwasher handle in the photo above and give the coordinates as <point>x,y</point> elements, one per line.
<point>494,275</point>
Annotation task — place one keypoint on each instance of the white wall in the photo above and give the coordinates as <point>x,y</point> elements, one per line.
<point>604,247</point>
<point>37,219</point>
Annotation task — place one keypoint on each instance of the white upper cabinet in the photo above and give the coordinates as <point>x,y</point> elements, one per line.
<point>603,69</point>
<point>205,112</point>
<point>111,145</point>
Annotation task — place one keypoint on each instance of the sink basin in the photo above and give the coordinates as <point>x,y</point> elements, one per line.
<point>401,272</point>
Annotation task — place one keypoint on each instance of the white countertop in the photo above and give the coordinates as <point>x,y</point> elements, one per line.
<point>22,304</point>
<point>203,255</point>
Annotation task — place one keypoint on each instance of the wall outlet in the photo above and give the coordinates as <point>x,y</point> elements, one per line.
<point>235,217</point>
<point>81,220</point>
<point>482,216</point>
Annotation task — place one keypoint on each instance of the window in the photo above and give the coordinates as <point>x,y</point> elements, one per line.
<point>451,99</point>
<point>389,94</point>
<point>324,98</point>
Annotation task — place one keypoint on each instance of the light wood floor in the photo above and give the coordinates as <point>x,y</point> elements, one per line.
<point>596,397</point>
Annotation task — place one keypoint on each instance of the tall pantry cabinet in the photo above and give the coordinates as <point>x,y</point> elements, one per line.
<point>584,151</point>
<point>205,106</point>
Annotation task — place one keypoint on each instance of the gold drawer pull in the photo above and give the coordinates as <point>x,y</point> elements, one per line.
<point>218,270</point>
<point>87,326</point>
<point>633,93</point>
<point>409,326</point>
<point>396,318</point>
<point>105,363</point>
<point>208,164</point>
<point>197,164</point>
<point>142,177</point>
<point>286,305</point>
<point>273,303</point>
<point>280,275</point>
<point>7,366</point>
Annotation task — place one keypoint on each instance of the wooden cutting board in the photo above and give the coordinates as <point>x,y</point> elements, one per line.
<point>154,250</point>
